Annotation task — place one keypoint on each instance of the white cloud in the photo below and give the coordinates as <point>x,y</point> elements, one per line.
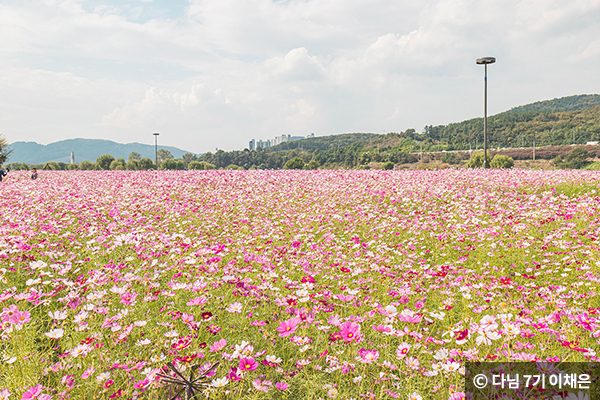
<point>216,73</point>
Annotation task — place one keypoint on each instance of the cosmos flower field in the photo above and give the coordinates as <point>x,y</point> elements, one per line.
<point>291,284</point>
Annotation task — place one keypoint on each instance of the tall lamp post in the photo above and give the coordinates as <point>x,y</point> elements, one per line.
<point>156,148</point>
<point>485,61</point>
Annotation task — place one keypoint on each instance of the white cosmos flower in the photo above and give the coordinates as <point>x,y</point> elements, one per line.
<point>58,315</point>
<point>103,376</point>
<point>55,333</point>
<point>220,382</point>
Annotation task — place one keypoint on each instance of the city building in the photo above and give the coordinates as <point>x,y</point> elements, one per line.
<point>286,137</point>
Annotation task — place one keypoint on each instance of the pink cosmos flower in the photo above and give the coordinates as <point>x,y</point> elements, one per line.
<point>281,386</point>
<point>263,386</point>
<point>218,345</point>
<point>350,331</point>
<point>383,328</point>
<point>248,364</point>
<point>88,372</point>
<point>187,318</point>
<point>4,393</point>
<point>197,301</point>
<point>288,327</point>
<point>413,363</point>
<point>402,350</point>
<point>20,318</point>
<point>366,356</point>
<point>7,313</point>
<point>141,384</point>
<point>587,322</point>
<point>128,298</point>
<point>32,393</point>
<point>344,297</point>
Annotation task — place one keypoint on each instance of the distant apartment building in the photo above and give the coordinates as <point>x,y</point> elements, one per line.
<point>264,144</point>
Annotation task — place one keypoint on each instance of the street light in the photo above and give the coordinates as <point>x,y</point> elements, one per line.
<point>156,148</point>
<point>485,61</point>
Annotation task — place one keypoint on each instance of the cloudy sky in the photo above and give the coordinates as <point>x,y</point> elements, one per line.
<point>217,73</point>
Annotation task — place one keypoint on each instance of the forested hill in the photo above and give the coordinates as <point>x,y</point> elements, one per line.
<point>518,129</point>
<point>570,103</point>
<point>574,119</point>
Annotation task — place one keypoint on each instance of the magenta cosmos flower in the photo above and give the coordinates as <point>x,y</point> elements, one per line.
<point>248,364</point>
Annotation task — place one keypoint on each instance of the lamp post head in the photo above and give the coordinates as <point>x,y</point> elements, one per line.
<point>485,60</point>
<point>155,133</point>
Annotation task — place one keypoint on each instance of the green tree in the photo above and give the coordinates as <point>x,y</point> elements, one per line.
<point>132,165</point>
<point>576,158</point>
<point>172,164</point>
<point>14,166</point>
<point>4,149</point>
<point>23,167</point>
<point>145,164</point>
<point>51,165</point>
<point>134,156</point>
<point>188,158</point>
<point>313,164</point>
<point>294,163</point>
<point>87,165</point>
<point>104,161</point>
<point>504,162</point>
<point>71,167</point>
<point>476,160</point>
<point>164,155</point>
<point>200,165</point>
<point>118,164</point>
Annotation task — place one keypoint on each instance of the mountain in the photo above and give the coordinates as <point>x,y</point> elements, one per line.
<point>84,149</point>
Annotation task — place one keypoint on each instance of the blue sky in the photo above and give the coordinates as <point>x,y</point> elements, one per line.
<point>208,73</point>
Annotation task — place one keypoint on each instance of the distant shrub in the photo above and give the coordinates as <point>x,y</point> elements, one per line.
<point>388,165</point>
<point>200,165</point>
<point>502,162</point>
<point>595,166</point>
<point>234,167</point>
<point>87,165</point>
<point>451,158</point>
